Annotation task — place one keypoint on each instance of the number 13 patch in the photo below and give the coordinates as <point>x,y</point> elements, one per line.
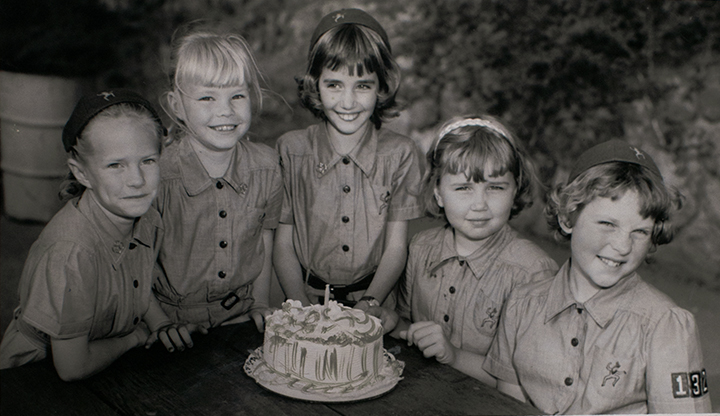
<point>689,384</point>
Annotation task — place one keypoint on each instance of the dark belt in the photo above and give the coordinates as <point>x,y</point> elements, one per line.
<point>339,292</point>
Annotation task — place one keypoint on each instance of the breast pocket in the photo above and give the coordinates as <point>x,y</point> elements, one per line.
<point>615,376</point>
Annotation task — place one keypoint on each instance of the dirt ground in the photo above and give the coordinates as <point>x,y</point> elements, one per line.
<point>668,273</point>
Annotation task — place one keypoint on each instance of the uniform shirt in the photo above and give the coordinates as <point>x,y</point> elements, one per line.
<point>465,295</point>
<point>81,279</point>
<point>340,205</point>
<point>628,349</point>
<point>213,245</point>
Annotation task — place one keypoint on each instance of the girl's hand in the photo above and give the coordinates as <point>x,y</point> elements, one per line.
<point>431,340</point>
<point>259,314</point>
<point>388,318</point>
<point>175,336</point>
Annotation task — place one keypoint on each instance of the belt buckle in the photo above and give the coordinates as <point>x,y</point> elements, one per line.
<point>230,300</point>
<point>339,292</point>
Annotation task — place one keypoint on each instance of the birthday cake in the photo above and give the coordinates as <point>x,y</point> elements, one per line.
<point>323,352</point>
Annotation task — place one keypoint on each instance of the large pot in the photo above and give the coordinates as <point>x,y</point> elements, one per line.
<point>33,111</point>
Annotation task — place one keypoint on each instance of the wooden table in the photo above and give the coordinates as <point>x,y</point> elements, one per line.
<point>209,380</point>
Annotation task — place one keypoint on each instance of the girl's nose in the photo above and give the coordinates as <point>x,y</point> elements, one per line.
<point>479,202</point>
<point>224,108</point>
<point>348,99</point>
<point>135,177</point>
<point>622,243</point>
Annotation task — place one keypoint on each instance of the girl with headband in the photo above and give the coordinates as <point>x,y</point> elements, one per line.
<point>459,275</point>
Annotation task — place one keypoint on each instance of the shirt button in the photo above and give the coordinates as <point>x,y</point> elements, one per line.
<point>136,320</point>
<point>346,189</point>
<point>132,246</point>
<point>223,244</point>
<point>135,283</point>
<point>579,311</point>
<point>222,274</point>
<point>574,342</point>
<point>218,185</point>
<point>446,318</point>
<point>452,289</point>
<point>345,219</point>
<point>345,247</point>
<point>346,161</point>
<point>223,214</point>
<point>569,381</point>
<point>462,263</point>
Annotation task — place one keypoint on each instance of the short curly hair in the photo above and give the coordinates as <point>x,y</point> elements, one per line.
<point>611,180</point>
<point>359,49</point>
<point>469,149</point>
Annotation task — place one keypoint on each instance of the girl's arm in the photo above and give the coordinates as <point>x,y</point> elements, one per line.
<point>173,336</point>
<point>512,390</point>
<point>287,265</point>
<point>392,262</point>
<point>261,285</point>
<point>76,358</point>
<point>431,340</point>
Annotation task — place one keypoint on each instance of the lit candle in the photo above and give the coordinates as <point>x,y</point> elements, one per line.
<point>327,294</point>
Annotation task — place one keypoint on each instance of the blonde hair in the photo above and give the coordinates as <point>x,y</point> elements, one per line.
<point>206,58</point>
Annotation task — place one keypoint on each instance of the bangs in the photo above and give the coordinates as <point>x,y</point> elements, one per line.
<point>352,47</point>
<point>472,157</point>
<point>208,63</point>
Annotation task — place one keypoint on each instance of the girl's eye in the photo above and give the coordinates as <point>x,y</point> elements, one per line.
<point>496,188</point>
<point>113,165</point>
<point>205,99</point>
<point>238,96</point>
<point>462,188</point>
<point>365,86</point>
<point>606,224</point>
<point>642,233</point>
<point>150,161</point>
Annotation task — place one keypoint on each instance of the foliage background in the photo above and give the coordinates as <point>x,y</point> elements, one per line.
<point>563,74</point>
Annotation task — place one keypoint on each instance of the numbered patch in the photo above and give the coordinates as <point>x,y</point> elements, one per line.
<point>689,384</point>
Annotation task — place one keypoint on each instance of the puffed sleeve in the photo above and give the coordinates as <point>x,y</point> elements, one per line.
<point>61,293</point>
<point>498,361</point>
<point>676,377</point>
<point>286,210</point>
<point>405,285</point>
<point>275,199</point>
<point>405,201</point>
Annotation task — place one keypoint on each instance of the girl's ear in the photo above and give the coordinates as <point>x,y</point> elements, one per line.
<point>78,171</point>
<point>438,198</point>
<point>564,223</point>
<point>176,105</point>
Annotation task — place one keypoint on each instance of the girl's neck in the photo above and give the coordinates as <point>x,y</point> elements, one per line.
<point>343,143</point>
<point>123,225</point>
<point>580,286</point>
<point>216,163</point>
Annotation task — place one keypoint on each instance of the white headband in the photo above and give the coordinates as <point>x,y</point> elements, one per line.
<point>467,122</point>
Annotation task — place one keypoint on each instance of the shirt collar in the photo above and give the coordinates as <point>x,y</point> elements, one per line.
<point>116,243</point>
<point>363,155</point>
<point>601,307</point>
<point>481,259</point>
<point>195,178</point>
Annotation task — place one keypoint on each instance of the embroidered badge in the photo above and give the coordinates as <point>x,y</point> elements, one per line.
<point>243,189</point>
<point>106,95</point>
<point>385,199</point>
<point>614,375</point>
<point>338,17</point>
<point>638,153</point>
<point>117,247</point>
<point>689,384</point>
<point>491,313</point>
<point>321,168</point>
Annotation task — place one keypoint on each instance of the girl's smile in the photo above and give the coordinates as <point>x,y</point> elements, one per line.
<point>475,210</point>
<point>217,116</point>
<point>348,102</point>
<point>610,240</point>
